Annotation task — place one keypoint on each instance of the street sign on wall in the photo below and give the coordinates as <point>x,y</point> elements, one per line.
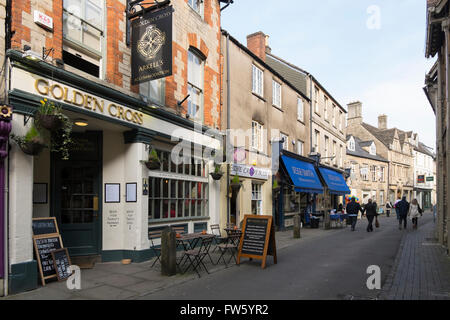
<point>430,178</point>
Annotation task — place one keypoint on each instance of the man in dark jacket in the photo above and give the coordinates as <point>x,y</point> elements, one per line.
<point>352,211</point>
<point>371,213</point>
<point>403,208</point>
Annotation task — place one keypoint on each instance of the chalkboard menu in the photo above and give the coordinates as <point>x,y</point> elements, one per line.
<point>43,247</point>
<point>61,263</point>
<point>44,226</point>
<point>258,239</point>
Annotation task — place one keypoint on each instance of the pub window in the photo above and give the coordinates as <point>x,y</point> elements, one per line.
<point>195,86</point>
<point>153,90</point>
<point>83,34</point>
<point>171,197</point>
<point>196,5</point>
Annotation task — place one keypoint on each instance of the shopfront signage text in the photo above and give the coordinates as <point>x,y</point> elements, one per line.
<point>43,20</point>
<point>250,171</point>
<point>84,100</point>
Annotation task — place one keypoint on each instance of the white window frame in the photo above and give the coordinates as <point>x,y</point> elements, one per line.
<point>373,149</point>
<point>325,107</point>
<point>300,110</point>
<point>340,120</point>
<point>197,6</point>
<point>333,115</point>
<point>300,147</point>
<point>286,141</point>
<point>257,136</point>
<point>257,197</point>
<point>351,144</point>
<point>145,90</point>
<point>317,140</point>
<point>276,94</point>
<point>327,142</point>
<point>199,86</point>
<point>316,100</point>
<point>257,81</point>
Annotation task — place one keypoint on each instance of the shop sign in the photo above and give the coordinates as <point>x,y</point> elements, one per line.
<point>421,179</point>
<point>250,171</point>
<point>43,20</point>
<point>151,46</point>
<point>430,178</point>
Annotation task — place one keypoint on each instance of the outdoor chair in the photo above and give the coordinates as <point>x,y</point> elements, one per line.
<point>218,238</point>
<point>153,235</point>
<point>196,256</point>
<point>231,246</point>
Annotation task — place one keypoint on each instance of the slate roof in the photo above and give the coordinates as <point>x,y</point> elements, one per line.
<point>424,149</point>
<point>360,152</point>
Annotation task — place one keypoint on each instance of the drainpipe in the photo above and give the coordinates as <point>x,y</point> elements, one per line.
<point>228,126</point>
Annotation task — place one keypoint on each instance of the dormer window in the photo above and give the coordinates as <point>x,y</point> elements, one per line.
<point>351,144</point>
<point>373,149</point>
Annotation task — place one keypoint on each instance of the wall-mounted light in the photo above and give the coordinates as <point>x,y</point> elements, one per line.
<point>81,122</point>
<point>29,54</point>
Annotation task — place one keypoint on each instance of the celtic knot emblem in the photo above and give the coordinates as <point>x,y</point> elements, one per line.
<point>151,42</point>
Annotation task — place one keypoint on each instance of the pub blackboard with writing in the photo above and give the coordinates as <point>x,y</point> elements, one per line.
<point>61,263</point>
<point>43,247</point>
<point>44,226</point>
<point>258,239</point>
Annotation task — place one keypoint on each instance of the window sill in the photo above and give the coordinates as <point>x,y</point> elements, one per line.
<point>176,220</point>
<point>277,107</point>
<point>258,96</point>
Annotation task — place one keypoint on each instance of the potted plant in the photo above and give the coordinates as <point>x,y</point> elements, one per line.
<point>32,143</point>
<point>47,116</point>
<point>153,162</point>
<point>235,183</point>
<point>217,174</point>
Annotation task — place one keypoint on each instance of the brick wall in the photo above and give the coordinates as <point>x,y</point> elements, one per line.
<point>189,29</point>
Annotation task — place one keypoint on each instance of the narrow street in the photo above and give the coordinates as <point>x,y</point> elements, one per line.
<point>332,266</point>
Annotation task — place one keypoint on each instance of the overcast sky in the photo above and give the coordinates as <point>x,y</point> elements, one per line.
<point>371,51</point>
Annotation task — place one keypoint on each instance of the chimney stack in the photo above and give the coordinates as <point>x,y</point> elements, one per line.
<point>258,43</point>
<point>382,122</point>
<point>354,113</point>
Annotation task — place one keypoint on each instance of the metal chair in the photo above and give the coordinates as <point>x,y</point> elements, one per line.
<point>196,256</point>
<point>152,235</point>
<point>231,245</point>
<point>218,238</point>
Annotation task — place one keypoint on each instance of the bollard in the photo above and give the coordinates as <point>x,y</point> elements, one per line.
<point>168,253</point>
<point>297,226</point>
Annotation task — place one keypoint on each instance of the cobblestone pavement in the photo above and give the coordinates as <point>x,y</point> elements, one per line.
<point>422,268</point>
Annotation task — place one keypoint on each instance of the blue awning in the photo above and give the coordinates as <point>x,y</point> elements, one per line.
<point>335,181</point>
<point>303,175</point>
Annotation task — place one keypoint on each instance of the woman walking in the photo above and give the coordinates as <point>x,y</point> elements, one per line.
<point>414,212</point>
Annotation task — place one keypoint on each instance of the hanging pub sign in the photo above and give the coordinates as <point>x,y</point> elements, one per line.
<point>151,46</point>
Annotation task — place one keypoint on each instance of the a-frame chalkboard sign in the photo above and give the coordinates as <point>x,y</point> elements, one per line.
<point>258,239</point>
<point>46,239</point>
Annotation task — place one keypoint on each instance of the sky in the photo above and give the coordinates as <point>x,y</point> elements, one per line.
<point>359,50</point>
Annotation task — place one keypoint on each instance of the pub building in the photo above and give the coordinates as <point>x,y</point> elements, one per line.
<point>305,181</point>
<point>104,197</point>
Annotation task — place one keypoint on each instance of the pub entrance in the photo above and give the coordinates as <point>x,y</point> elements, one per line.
<point>77,194</point>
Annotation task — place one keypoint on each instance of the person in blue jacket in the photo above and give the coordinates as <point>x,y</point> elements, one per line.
<point>353,208</point>
<point>403,208</point>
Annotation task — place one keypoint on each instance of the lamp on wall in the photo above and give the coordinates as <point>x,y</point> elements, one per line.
<point>81,122</point>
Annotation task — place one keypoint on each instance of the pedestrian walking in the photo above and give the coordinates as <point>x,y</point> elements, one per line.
<point>396,209</point>
<point>371,212</point>
<point>353,209</point>
<point>388,208</point>
<point>403,209</point>
<point>414,212</point>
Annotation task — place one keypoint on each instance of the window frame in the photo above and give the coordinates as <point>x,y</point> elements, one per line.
<point>257,190</point>
<point>300,114</point>
<point>257,81</point>
<point>257,128</point>
<point>190,84</point>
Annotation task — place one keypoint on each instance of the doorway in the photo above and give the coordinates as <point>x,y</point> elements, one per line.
<point>77,194</point>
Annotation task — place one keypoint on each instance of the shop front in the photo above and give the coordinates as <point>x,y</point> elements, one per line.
<point>104,197</point>
<point>300,188</point>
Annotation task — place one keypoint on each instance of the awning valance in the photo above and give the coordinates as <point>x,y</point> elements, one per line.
<point>335,181</point>
<point>303,175</point>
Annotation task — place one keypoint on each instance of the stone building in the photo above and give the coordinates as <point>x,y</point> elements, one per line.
<point>437,90</point>
<point>391,144</point>
<point>368,171</point>
<point>263,107</point>
<point>105,200</point>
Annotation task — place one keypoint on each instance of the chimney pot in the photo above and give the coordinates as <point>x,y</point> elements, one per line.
<point>382,122</point>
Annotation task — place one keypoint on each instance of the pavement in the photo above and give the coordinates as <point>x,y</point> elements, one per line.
<point>413,265</point>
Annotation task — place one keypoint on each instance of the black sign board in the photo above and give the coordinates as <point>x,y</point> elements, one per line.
<point>43,247</point>
<point>44,226</point>
<point>258,239</point>
<point>151,46</point>
<point>61,263</point>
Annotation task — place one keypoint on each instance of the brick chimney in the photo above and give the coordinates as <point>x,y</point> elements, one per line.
<point>258,43</point>
<point>382,122</point>
<point>354,113</point>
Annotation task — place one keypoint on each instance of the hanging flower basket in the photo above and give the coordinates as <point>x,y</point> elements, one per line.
<point>32,148</point>
<point>216,176</point>
<point>50,122</point>
<point>236,186</point>
<point>153,164</point>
